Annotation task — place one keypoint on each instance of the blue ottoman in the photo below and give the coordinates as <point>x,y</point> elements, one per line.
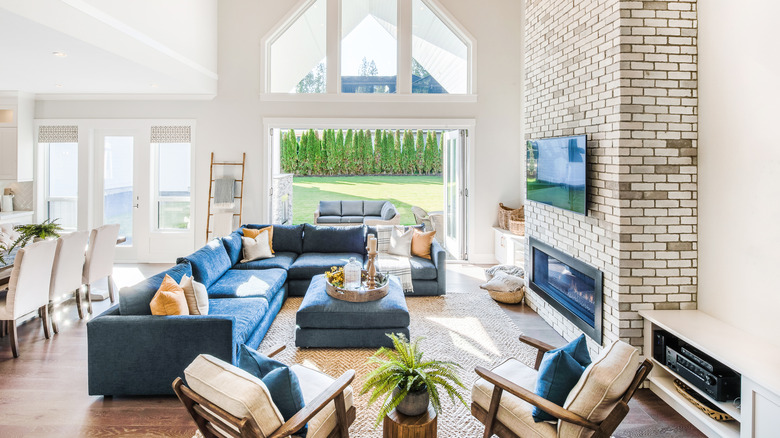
<point>323,321</point>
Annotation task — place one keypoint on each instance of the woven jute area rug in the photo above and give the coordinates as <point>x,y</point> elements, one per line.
<point>467,328</point>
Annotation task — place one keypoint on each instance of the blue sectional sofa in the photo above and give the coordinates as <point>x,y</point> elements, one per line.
<point>132,352</point>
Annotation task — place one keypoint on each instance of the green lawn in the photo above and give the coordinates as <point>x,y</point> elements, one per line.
<point>403,191</point>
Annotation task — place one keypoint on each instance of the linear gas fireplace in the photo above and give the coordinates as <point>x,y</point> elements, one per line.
<point>572,287</point>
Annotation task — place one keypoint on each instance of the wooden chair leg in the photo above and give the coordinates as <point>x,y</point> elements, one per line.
<point>341,415</point>
<point>14,339</point>
<point>495,400</point>
<point>111,288</point>
<point>88,291</point>
<point>78,303</point>
<point>52,318</point>
<point>45,320</point>
<point>2,329</point>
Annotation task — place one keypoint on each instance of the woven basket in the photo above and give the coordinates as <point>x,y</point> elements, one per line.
<point>513,297</point>
<point>687,392</point>
<point>503,216</point>
<point>517,222</point>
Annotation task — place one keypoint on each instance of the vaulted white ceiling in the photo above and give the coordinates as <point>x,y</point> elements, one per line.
<point>111,47</point>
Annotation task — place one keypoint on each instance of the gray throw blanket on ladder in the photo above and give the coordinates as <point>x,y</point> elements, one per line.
<point>224,192</point>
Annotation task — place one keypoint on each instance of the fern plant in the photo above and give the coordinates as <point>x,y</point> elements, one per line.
<point>405,370</point>
<point>43,230</point>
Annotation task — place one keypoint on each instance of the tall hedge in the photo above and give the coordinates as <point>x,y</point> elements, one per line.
<point>397,155</point>
<point>409,154</point>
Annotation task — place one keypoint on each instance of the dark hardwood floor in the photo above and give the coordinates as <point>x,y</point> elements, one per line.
<point>43,392</point>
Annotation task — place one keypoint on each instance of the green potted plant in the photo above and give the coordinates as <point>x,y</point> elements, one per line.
<point>44,230</point>
<point>408,382</point>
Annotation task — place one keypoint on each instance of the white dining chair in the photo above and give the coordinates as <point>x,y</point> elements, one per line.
<point>99,261</point>
<point>67,272</point>
<point>28,288</point>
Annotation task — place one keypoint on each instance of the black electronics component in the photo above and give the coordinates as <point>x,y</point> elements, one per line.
<point>723,384</point>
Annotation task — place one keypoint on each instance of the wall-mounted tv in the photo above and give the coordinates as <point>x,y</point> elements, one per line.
<point>556,172</point>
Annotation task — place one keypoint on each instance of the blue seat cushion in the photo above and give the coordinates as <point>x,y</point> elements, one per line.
<point>423,269</point>
<point>373,208</point>
<point>281,260</point>
<point>239,283</point>
<point>287,238</point>
<point>334,239</point>
<point>329,219</point>
<point>310,264</point>
<point>233,246</point>
<point>320,310</point>
<point>330,208</point>
<point>558,373</point>
<point>246,313</point>
<point>134,300</point>
<point>352,208</point>
<point>209,262</point>
<point>351,219</point>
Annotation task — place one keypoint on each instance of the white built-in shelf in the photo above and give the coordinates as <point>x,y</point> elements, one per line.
<point>757,361</point>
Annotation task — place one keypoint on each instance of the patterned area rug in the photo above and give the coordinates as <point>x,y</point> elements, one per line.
<point>467,328</point>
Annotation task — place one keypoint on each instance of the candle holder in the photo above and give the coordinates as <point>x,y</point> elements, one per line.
<point>371,265</point>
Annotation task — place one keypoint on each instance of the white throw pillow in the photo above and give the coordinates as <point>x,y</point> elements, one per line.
<point>257,248</point>
<point>196,295</point>
<point>401,242</point>
<point>503,282</point>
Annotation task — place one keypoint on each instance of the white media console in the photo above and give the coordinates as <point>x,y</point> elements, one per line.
<point>757,362</point>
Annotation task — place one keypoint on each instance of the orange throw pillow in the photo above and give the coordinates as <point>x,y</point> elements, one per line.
<point>421,243</point>
<point>251,232</point>
<point>169,299</point>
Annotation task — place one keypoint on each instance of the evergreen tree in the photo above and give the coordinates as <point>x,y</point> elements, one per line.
<point>429,156</point>
<point>379,143</point>
<point>303,155</point>
<point>338,168</point>
<point>315,153</point>
<point>397,156</point>
<point>419,163</point>
<point>347,165</point>
<point>327,141</point>
<point>437,157</point>
<point>368,153</point>
<point>409,155</point>
<point>357,151</point>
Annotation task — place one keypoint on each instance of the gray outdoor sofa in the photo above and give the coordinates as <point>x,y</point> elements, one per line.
<point>340,213</point>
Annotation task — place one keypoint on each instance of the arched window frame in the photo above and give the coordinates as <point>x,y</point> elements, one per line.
<point>404,53</point>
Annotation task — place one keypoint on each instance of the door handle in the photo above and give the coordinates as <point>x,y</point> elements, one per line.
<point>135,206</point>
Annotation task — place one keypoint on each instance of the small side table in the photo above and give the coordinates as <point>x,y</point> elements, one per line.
<point>397,425</point>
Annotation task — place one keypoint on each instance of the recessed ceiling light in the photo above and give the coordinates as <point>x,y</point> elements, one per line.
<point>60,54</point>
<point>58,85</point>
<point>153,85</point>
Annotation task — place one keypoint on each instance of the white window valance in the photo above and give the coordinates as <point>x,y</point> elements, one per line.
<point>171,134</point>
<point>58,134</point>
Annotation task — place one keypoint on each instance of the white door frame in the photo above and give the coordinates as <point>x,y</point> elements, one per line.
<point>469,125</point>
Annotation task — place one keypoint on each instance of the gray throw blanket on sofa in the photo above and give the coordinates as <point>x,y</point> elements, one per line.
<point>390,263</point>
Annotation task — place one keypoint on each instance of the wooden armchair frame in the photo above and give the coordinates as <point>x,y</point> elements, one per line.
<point>215,422</point>
<point>603,429</point>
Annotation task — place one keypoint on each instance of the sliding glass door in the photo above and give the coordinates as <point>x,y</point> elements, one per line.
<point>455,192</point>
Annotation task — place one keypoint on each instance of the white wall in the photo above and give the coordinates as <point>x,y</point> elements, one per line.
<point>739,164</point>
<point>232,123</point>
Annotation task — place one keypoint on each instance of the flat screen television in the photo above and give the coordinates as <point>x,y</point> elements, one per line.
<point>556,172</point>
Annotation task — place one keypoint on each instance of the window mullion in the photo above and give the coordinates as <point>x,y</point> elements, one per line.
<point>404,80</point>
<point>333,47</point>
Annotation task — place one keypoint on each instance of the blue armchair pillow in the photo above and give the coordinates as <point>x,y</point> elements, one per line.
<point>577,349</point>
<point>558,373</point>
<point>281,381</point>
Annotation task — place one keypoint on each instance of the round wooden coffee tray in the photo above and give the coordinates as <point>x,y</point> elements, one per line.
<point>361,295</point>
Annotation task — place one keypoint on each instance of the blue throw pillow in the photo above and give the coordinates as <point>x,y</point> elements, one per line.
<point>281,381</point>
<point>558,373</point>
<point>577,349</point>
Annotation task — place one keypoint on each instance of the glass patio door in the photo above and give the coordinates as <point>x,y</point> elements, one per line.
<point>455,192</point>
<point>122,189</point>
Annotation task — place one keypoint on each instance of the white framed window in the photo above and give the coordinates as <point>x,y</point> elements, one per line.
<point>172,206</point>
<point>352,47</point>
<point>60,149</point>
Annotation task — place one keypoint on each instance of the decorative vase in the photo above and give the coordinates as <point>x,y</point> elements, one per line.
<point>414,404</point>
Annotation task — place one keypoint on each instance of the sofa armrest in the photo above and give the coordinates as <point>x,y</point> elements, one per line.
<point>316,215</point>
<point>439,259</point>
<point>142,354</point>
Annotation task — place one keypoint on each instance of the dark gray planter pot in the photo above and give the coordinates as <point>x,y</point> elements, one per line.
<point>414,404</point>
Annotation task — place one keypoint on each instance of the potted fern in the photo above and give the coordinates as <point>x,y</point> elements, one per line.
<point>407,382</point>
<point>44,230</point>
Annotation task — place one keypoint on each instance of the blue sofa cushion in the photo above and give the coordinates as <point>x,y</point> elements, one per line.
<point>246,313</point>
<point>282,383</point>
<point>388,211</point>
<point>233,246</point>
<point>287,238</point>
<point>330,208</point>
<point>282,260</point>
<point>319,310</point>
<point>558,373</point>
<point>351,219</point>
<point>239,283</point>
<point>334,239</point>
<point>373,208</point>
<point>352,208</point>
<point>422,269</point>
<point>209,262</point>
<point>134,300</point>
<point>329,219</point>
<point>310,264</point>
